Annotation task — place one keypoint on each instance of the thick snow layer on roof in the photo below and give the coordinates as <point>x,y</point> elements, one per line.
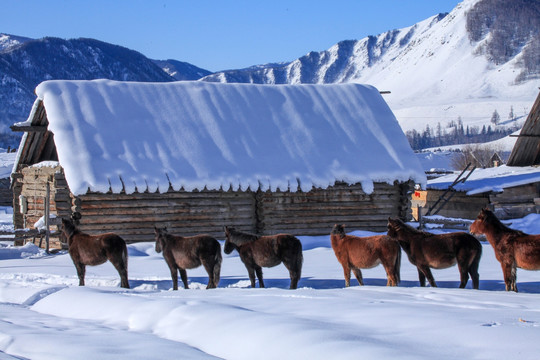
<point>196,134</point>
<point>491,179</point>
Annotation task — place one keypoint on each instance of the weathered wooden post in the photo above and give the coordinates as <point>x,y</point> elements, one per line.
<point>47,195</point>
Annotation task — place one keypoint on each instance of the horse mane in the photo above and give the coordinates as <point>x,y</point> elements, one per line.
<point>70,228</point>
<point>240,238</point>
<point>401,225</point>
<point>494,221</point>
<point>164,233</point>
<point>339,230</point>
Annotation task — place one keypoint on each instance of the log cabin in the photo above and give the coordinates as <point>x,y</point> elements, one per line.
<point>195,156</point>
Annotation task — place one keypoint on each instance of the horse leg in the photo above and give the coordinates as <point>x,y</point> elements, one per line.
<point>464,275</point>
<point>473,271</point>
<point>358,274</point>
<point>81,270</point>
<point>258,271</point>
<point>121,267</point>
<point>509,274</point>
<point>347,274</point>
<point>174,275</point>
<point>209,266</point>
<point>421,277</point>
<point>251,274</point>
<point>427,272</point>
<point>183,275</point>
<point>391,274</point>
<point>294,272</point>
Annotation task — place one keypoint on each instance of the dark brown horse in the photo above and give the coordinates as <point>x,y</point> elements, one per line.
<point>182,253</point>
<point>266,251</point>
<point>513,248</point>
<point>426,250</point>
<point>95,250</point>
<point>354,252</point>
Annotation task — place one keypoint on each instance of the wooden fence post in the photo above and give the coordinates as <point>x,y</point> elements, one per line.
<point>47,196</point>
<point>420,220</point>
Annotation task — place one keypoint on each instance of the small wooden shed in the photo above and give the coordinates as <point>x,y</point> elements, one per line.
<point>196,156</point>
<point>511,191</point>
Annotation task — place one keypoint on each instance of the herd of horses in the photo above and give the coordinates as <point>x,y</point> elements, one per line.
<point>513,249</point>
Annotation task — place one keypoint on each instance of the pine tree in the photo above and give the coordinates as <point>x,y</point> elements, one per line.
<point>495,118</point>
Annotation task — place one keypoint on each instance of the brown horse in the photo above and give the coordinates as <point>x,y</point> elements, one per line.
<point>181,253</point>
<point>354,252</point>
<point>426,250</point>
<point>513,248</point>
<point>266,251</point>
<point>95,250</point>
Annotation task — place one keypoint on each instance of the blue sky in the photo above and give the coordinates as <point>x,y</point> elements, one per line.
<point>216,34</point>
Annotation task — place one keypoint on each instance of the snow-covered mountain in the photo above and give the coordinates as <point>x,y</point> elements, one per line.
<point>24,63</point>
<point>180,70</point>
<point>7,41</point>
<point>481,57</point>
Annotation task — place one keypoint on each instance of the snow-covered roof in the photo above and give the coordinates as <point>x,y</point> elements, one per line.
<point>142,136</point>
<point>491,179</point>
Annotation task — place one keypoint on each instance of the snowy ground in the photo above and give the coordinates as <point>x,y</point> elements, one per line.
<point>45,315</point>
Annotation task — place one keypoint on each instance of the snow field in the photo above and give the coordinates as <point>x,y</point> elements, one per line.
<point>45,315</point>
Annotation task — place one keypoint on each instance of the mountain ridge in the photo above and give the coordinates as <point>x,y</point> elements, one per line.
<point>438,70</point>
<point>447,68</point>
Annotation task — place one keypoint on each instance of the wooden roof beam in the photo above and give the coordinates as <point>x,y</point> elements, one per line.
<point>28,128</point>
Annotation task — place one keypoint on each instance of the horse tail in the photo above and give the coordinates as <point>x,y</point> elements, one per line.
<point>473,267</point>
<point>217,267</point>
<point>125,255</point>
<point>299,259</point>
<point>397,266</point>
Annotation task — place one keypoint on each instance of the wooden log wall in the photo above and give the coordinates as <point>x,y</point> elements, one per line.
<point>31,183</point>
<point>460,206</point>
<point>516,202</point>
<point>6,194</point>
<point>133,216</point>
<point>317,211</point>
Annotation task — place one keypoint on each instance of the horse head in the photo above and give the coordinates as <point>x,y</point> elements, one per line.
<point>395,227</point>
<point>484,219</point>
<point>160,237</point>
<point>338,230</point>
<point>68,228</point>
<point>229,245</point>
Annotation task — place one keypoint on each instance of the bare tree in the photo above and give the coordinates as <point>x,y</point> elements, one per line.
<point>478,155</point>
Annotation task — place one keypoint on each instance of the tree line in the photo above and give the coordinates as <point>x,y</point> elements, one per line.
<point>455,133</point>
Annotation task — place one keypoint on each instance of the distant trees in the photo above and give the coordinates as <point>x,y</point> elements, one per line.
<point>514,26</point>
<point>455,133</point>
<point>495,118</point>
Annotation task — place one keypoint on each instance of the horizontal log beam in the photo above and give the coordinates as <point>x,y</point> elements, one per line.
<point>28,128</point>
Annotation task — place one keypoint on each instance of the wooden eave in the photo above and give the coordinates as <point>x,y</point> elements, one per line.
<point>38,144</point>
<point>526,151</point>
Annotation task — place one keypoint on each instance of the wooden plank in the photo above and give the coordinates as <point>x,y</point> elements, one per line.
<point>27,128</point>
<point>167,203</point>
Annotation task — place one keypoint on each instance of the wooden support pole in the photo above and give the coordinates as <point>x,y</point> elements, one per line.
<point>420,220</point>
<point>47,196</point>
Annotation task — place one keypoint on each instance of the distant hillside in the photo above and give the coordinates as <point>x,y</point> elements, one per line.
<point>463,67</point>
<point>482,57</point>
<point>24,63</point>
<point>182,70</point>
